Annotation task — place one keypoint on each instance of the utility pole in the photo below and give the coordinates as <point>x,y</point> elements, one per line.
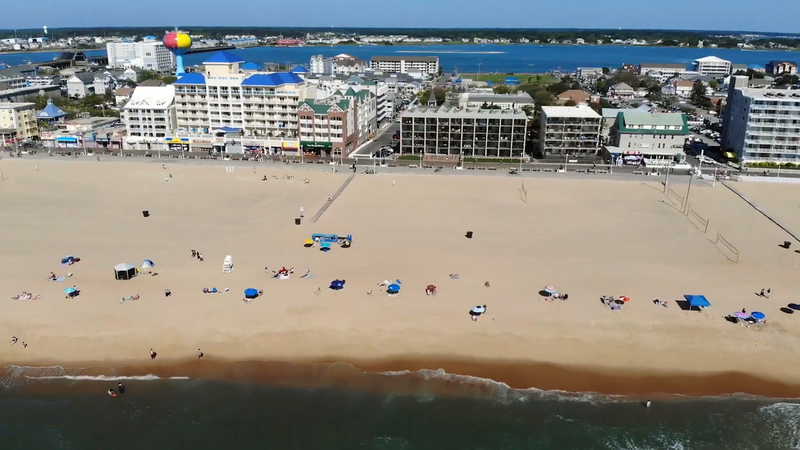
<point>666,180</point>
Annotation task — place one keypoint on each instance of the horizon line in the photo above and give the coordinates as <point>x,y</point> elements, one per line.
<point>323,27</point>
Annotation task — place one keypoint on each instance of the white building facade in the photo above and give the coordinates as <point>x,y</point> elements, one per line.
<point>150,118</point>
<point>712,66</point>
<point>147,55</point>
<point>424,65</point>
<point>762,125</point>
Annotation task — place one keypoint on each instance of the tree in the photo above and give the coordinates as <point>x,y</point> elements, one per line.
<point>787,80</point>
<point>699,95</point>
<point>502,89</point>
<point>713,84</point>
<point>528,110</point>
<point>570,103</point>
<point>606,70</point>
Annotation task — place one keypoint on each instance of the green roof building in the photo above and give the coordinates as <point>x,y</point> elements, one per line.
<point>655,139</point>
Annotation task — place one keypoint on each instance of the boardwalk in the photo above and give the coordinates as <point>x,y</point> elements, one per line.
<point>333,198</point>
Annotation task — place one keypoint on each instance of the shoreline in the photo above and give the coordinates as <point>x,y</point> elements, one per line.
<point>460,377</point>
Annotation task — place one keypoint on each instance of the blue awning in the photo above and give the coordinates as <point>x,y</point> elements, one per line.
<point>697,301</point>
<point>66,139</point>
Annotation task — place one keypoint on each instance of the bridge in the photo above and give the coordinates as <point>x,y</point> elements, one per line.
<point>70,58</point>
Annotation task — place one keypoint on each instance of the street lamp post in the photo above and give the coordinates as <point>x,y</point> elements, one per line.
<point>666,180</point>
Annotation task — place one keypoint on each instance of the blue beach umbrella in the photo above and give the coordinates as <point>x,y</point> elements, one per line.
<point>70,290</point>
<point>337,285</point>
<point>251,293</point>
<point>393,288</point>
<point>759,316</point>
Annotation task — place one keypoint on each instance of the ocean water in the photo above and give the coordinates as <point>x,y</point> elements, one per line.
<point>338,407</point>
<point>527,58</point>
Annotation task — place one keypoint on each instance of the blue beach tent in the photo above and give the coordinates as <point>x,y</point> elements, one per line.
<point>697,301</point>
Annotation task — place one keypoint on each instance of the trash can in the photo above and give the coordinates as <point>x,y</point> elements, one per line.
<point>145,213</point>
<point>297,221</point>
<point>469,234</point>
<point>787,244</point>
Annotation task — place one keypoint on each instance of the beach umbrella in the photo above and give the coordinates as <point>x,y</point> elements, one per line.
<point>741,315</point>
<point>794,306</point>
<point>431,287</point>
<point>70,290</point>
<point>337,285</point>
<point>759,316</point>
<point>393,287</point>
<point>308,243</point>
<point>550,289</point>
<point>147,263</point>
<point>625,298</point>
<point>251,293</point>
<point>477,311</point>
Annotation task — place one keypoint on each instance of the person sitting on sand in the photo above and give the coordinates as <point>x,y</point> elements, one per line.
<point>112,393</point>
<point>52,277</point>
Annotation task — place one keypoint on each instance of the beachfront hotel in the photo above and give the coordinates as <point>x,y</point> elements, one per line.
<point>654,139</point>
<point>471,132</point>
<point>262,107</point>
<point>761,125</point>
<point>150,118</point>
<point>569,130</point>
<point>18,122</point>
<point>415,65</point>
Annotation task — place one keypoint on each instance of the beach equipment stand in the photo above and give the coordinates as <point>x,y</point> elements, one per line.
<point>227,265</point>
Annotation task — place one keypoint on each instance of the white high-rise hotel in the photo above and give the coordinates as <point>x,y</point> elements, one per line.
<point>147,55</point>
<point>762,124</point>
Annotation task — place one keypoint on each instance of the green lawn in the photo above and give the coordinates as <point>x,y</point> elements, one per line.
<point>524,78</point>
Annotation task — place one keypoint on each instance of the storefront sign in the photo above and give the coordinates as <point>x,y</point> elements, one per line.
<point>315,144</point>
<point>290,145</point>
<point>175,140</point>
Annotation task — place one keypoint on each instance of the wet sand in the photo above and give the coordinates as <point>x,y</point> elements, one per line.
<point>588,238</point>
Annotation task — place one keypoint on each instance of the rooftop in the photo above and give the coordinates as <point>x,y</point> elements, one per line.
<point>643,118</point>
<point>570,111</point>
<point>475,113</point>
<point>10,105</point>
<point>223,57</point>
<point>151,97</point>
<point>711,59</point>
<point>272,79</point>
<point>406,58</point>
<point>664,65</point>
<point>501,98</point>
<point>771,94</point>
<point>191,78</point>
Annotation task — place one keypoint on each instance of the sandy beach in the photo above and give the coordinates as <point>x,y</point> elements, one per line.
<point>587,238</point>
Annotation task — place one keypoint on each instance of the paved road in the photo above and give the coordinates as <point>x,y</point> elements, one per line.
<point>384,138</point>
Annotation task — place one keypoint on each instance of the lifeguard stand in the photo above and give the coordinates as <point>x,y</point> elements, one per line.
<point>227,265</point>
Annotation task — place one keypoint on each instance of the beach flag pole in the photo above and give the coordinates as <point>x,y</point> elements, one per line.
<point>2,177</point>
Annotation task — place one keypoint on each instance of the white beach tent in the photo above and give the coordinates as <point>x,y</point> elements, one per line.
<point>124,271</point>
<point>148,264</point>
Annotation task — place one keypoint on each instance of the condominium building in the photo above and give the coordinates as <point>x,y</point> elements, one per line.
<point>657,139</point>
<point>326,86</point>
<point>665,68</point>
<point>339,64</point>
<point>262,106</point>
<point>422,65</point>
<point>712,66</point>
<point>471,132</point>
<point>327,127</point>
<point>18,122</point>
<point>569,130</point>
<point>762,124</point>
<point>147,55</point>
<point>150,118</point>
<point>780,67</point>
<point>496,101</point>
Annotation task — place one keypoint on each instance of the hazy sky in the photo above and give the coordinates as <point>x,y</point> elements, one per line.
<point>762,15</point>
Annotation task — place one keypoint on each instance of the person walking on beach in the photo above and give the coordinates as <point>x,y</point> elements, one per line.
<point>768,292</point>
<point>199,354</point>
<point>153,354</point>
<point>761,293</point>
<point>14,340</point>
<point>121,388</point>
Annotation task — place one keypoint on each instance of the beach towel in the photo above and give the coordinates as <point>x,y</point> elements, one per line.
<point>59,279</point>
